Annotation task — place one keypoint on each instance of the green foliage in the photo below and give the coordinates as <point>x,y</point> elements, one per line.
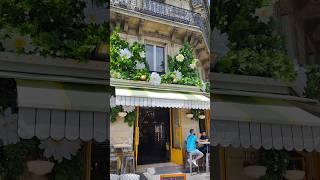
<point>68,169</point>
<point>114,113</point>
<point>129,118</point>
<point>125,68</point>
<point>312,90</point>
<point>56,27</point>
<point>189,76</point>
<point>196,113</point>
<point>251,62</point>
<point>276,163</point>
<point>13,157</point>
<point>256,48</point>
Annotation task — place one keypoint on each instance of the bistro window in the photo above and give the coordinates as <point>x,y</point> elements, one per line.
<point>155,57</point>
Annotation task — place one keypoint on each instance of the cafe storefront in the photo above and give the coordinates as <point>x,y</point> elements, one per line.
<point>163,118</point>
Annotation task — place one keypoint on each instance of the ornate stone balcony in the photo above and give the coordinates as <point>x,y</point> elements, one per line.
<point>166,11</point>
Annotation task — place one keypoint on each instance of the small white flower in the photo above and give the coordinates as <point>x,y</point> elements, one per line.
<point>180,58</point>
<point>142,54</point>
<point>178,74</point>
<point>60,149</point>
<point>192,65</point>
<point>264,13</point>
<point>115,74</point>
<point>155,79</point>
<point>112,101</point>
<point>17,41</point>
<point>8,127</point>
<point>140,65</point>
<point>125,53</point>
<point>128,109</point>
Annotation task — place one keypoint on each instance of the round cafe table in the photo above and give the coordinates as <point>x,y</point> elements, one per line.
<point>207,155</point>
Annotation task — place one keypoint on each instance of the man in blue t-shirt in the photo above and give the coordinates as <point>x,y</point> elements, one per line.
<point>192,147</point>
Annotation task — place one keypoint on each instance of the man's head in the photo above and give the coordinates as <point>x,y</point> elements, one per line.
<point>192,131</point>
<point>203,133</point>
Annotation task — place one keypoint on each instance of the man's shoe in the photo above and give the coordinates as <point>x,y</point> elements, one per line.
<point>195,163</point>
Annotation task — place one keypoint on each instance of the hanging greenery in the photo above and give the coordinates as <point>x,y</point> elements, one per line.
<point>276,163</point>
<point>69,169</point>
<point>127,61</point>
<point>312,90</point>
<point>256,46</point>
<point>129,116</point>
<point>67,29</point>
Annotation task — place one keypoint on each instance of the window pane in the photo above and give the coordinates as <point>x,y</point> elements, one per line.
<point>160,59</point>
<point>149,56</point>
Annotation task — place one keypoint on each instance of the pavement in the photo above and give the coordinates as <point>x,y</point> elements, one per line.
<point>153,172</point>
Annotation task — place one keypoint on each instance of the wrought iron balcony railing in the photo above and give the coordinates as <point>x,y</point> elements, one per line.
<point>166,11</point>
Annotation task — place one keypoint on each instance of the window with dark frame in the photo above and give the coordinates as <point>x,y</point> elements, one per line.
<point>155,57</point>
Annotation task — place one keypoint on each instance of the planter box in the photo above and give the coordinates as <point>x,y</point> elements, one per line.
<point>147,85</point>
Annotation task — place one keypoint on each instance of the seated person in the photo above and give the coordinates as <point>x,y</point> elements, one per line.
<point>192,147</point>
<point>204,138</point>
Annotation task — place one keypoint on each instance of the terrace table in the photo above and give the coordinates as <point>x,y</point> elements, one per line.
<point>207,155</point>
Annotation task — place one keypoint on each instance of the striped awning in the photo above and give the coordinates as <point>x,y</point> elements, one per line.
<point>166,99</point>
<point>256,122</point>
<point>62,110</point>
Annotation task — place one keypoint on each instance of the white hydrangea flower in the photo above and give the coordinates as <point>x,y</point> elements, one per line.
<point>140,65</point>
<point>264,13</point>
<point>17,41</point>
<point>180,58</point>
<point>155,79</point>
<point>59,149</point>
<point>125,53</point>
<point>193,65</point>
<point>142,54</point>
<point>128,109</point>
<point>178,74</point>
<point>8,127</point>
<point>115,74</point>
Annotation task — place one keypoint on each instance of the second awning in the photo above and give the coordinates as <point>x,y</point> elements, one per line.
<point>258,122</point>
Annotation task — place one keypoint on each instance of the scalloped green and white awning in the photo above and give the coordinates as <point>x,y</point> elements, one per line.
<point>157,98</point>
<point>61,110</point>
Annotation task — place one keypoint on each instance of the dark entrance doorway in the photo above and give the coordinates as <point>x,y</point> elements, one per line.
<point>154,139</point>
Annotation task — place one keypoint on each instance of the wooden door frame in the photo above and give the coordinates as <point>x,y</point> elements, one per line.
<point>180,160</point>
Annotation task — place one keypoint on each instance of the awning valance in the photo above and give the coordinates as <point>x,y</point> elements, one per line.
<point>253,122</point>
<point>166,99</point>
<point>62,110</point>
